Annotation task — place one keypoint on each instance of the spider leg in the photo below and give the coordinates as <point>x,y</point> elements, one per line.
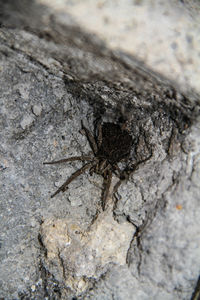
<point>124,175</point>
<point>92,169</point>
<point>107,183</point>
<point>71,178</point>
<point>115,190</point>
<point>99,167</point>
<point>107,168</point>
<point>116,170</point>
<point>102,165</point>
<point>73,158</point>
<point>117,185</point>
<point>91,139</point>
<point>130,169</point>
<point>94,166</point>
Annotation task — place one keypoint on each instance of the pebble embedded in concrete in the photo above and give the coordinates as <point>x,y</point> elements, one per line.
<point>37,109</point>
<point>26,121</point>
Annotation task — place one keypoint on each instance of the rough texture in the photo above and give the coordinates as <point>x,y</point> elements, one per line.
<point>146,244</point>
<point>75,256</point>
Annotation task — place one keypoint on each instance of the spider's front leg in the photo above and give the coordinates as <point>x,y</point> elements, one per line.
<point>63,187</point>
<point>91,139</point>
<point>122,175</point>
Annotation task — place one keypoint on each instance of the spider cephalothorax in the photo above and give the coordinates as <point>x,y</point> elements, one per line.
<point>110,145</point>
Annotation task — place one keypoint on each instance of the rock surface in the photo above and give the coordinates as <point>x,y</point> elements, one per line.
<point>74,255</point>
<point>145,245</point>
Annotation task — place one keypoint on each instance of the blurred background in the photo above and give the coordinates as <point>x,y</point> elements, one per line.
<point>165,35</point>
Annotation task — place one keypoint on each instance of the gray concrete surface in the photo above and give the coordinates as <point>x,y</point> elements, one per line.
<point>146,244</point>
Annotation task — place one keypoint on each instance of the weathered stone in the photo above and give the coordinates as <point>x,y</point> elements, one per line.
<point>79,254</point>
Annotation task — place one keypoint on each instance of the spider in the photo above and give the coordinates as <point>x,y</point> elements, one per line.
<point>111,144</point>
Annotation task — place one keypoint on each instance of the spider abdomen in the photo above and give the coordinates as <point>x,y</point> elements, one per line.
<point>116,143</point>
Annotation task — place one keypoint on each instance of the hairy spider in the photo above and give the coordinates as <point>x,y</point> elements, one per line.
<point>111,144</point>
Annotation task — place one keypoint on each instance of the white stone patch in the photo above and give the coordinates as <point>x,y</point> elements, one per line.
<point>55,236</point>
<point>26,121</point>
<point>37,109</point>
<point>85,253</point>
<point>110,240</point>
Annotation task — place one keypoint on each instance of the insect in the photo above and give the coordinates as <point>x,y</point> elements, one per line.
<point>110,144</point>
